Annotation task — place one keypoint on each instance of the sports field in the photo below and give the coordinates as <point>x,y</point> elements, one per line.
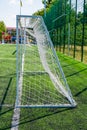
<point>43,118</point>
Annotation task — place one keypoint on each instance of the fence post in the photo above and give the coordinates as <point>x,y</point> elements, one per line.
<point>83,29</point>
<point>64,27</point>
<point>69,29</point>
<point>75,29</point>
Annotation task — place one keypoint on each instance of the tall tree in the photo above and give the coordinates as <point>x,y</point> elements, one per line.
<point>2,28</point>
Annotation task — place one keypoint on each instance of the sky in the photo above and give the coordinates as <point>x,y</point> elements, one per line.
<point>10,8</point>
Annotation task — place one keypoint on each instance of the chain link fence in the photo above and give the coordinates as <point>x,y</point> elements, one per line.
<point>66,21</point>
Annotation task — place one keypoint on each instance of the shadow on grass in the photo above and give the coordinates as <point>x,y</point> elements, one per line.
<point>76,73</point>
<point>6,111</point>
<point>37,115</point>
<point>47,114</point>
<point>71,64</point>
<point>80,92</point>
<point>5,93</point>
<point>6,128</point>
<point>14,52</point>
<point>8,75</point>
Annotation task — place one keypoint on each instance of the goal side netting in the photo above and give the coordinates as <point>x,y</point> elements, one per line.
<point>40,78</point>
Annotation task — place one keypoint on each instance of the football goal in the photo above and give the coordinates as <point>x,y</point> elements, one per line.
<point>40,78</point>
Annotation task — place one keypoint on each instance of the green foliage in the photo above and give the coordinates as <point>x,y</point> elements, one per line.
<point>59,13</point>
<point>2,28</point>
<point>39,12</point>
<point>47,2</point>
<point>67,25</point>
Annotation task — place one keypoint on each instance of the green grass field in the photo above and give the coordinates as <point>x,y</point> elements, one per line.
<point>7,84</point>
<point>43,118</point>
<point>37,87</point>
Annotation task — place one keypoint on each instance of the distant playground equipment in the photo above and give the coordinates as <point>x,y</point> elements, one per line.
<point>9,36</point>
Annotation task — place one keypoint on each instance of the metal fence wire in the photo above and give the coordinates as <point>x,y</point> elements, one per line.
<point>66,21</point>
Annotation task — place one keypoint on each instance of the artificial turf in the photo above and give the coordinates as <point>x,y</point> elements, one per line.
<point>44,118</point>
<point>62,119</point>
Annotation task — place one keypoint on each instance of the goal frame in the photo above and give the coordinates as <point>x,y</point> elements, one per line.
<point>18,105</point>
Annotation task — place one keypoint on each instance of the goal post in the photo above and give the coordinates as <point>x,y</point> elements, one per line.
<point>40,78</point>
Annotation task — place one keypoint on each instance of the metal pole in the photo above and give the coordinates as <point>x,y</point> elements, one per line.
<point>75,30</point>
<point>69,29</point>
<point>64,27</point>
<point>60,26</point>
<point>20,7</point>
<point>44,8</point>
<point>17,61</point>
<point>69,38</point>
<point>20,37</point>
<point>83,33</point>
<point>25,37</point>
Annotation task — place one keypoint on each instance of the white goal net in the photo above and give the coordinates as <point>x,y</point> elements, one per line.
<point>40,78</point>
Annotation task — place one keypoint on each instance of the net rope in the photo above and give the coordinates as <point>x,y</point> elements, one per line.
<point>44,83</point>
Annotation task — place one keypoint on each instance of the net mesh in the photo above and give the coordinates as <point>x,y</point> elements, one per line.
<point>40,79</point>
